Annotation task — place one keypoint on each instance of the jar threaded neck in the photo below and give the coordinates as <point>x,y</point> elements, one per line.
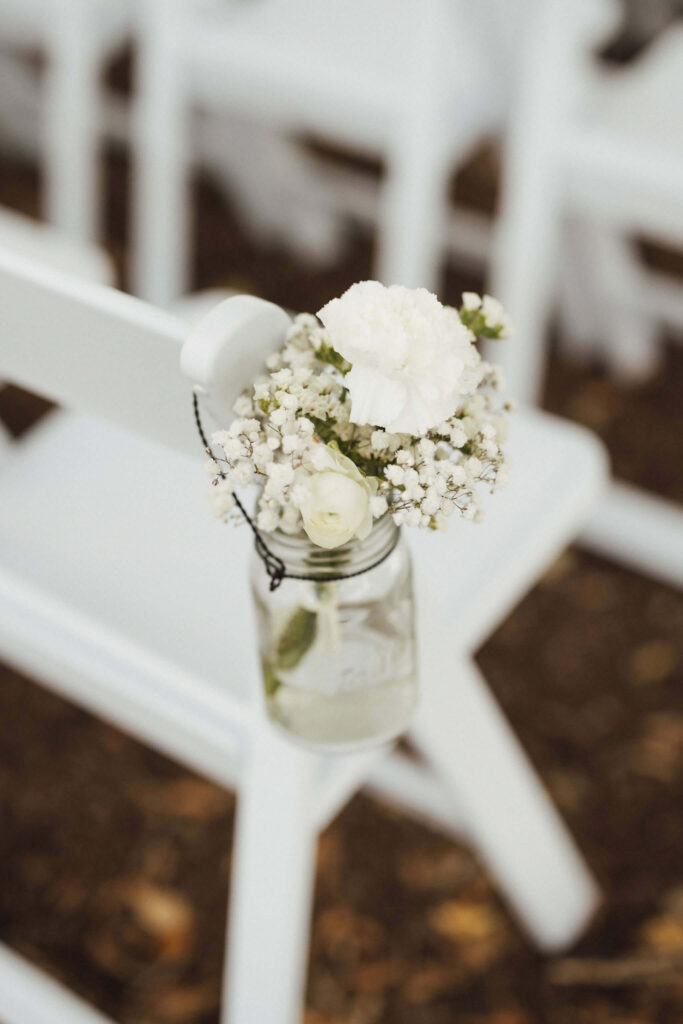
<point>302,557</point>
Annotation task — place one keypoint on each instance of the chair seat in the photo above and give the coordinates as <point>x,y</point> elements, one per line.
<point>30,22</point>
<point>469,579</point>
<point>121,531</point>
<point>318,64</point>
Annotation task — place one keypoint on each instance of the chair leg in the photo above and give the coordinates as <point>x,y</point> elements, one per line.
<point>523,271</point>
<point>412,216</point>
<point>603,302</point>
<point>70,143</point>
<point>160,206</point>
<point>272,884</point>
<point>580,313</point>
<point>505,811</point>
<point>525,257</point>
<point>630,337</point>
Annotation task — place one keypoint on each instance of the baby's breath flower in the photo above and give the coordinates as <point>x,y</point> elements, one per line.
<point>395,474</point>
<point>379,440</point>
<point>243,406</point>
<point>378,505</point>
<point>295,424</point>
<point>471,300</point>
<point>267,519</point>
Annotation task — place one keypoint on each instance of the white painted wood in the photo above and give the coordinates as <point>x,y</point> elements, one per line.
<point>123,594</point>
<point>29,996</point>
<point>272,884</point>
<point>139,691</point>
<point>605,311</point>
<point>420,151</point>
<point>510,819</point>
<point>339,780</point>
<point>71,130</point>
<point>161,227</point>
<point>272,182</point>
<point>388,78</point>
<point>640,530</point>
<point>604,146</point>
<point>466,232</point>
<point>663,298</point>
<point>95,349</point>
<point>418,791</point>
<point>254,329</point>
<point>77,37</point>
<point>558,476</point>
<point>37,241</point>
<point>525,263</point>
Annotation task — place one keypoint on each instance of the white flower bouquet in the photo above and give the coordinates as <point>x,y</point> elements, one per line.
<point>384,407</point>
<point>378,413</point>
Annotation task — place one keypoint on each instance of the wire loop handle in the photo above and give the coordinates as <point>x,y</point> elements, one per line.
<point>273,564</point>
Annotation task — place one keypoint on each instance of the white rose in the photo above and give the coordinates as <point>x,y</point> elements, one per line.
<point>412,359</point>
<point>336,505</point>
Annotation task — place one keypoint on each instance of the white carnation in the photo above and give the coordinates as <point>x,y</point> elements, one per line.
<point>412,358</point>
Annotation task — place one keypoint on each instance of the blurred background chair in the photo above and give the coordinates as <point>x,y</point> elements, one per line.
<point>602,149</point>
<point>412,82</point>
<point>94,606</point>
<point>76,39</point>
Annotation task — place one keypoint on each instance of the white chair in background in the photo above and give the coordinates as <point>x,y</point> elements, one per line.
<point>125,595</point>
<point>604,148</point>
<point>410,82</point>
<point>77,37</point>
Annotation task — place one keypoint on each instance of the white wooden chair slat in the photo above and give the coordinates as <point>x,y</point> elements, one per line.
<point>29,996</point>
<point>35,240</point>
<point>95,349</point>
<point>150,698</point>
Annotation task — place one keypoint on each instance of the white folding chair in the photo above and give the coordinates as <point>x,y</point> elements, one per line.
<point>604,147</point>
<point>123,594</point>
<point>77,38</point>
<point>39,242</point>
<point>409,81</point>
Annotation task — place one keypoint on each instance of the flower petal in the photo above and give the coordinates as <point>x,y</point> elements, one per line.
<point>375,398</point>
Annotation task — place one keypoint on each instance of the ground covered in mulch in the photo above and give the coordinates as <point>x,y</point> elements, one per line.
<point>116,861</point>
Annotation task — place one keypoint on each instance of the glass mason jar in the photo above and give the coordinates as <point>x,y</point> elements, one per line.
<point>338,656</point>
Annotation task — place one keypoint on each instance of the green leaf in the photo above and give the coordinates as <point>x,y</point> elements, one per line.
<point>296,639</point>
<point>326,354</point>
<point>271,683</point>
<point>476,321</point>
<point>325,430</point>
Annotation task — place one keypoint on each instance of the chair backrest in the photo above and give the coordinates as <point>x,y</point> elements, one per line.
<point>96,349</point>
<point>437,28</point>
